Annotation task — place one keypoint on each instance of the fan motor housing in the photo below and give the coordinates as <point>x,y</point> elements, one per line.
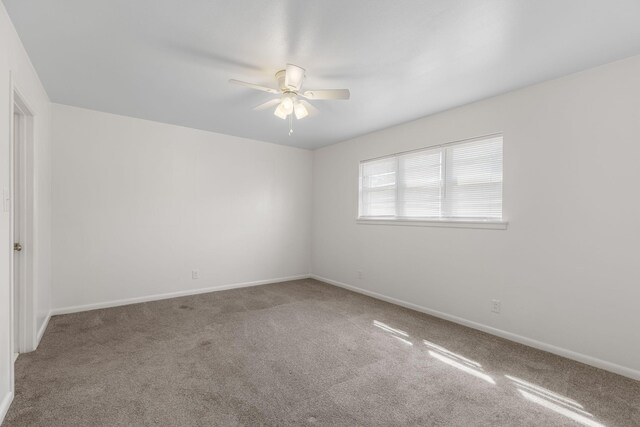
<point>280,77</point>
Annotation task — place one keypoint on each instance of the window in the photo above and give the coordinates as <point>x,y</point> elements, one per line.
<point>459,181</point>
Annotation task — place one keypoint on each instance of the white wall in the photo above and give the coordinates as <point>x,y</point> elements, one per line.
<point>139,204</point>
<point>14,62</point>
<point>566,269</point>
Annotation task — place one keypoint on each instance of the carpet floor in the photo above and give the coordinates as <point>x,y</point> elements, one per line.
<point>300,353</point>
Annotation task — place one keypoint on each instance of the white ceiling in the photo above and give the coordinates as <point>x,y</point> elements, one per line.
<point>169,60</point>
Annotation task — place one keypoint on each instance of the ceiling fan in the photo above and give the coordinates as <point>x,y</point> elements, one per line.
<point>290,91</point>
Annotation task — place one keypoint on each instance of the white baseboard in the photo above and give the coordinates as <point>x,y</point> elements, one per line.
<point>42,329</point>
<point>156,297</point>
<point>4,405</point>
<point>569,354</point>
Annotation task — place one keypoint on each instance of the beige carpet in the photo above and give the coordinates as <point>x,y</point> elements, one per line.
<point>300,353</point>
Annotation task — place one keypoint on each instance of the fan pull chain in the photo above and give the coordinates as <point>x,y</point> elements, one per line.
<point>290,124</point>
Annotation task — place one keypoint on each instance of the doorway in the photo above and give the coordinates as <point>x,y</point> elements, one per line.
<point>21,224</point>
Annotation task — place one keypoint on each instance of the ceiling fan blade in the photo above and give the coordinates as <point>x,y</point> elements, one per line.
<point>310,108</point>
<point>267,104</point>
<point>254,86</point>
<point>327,94</point>
<point>293,77</point>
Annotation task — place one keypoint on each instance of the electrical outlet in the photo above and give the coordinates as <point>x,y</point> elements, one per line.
<point>359,274</point>
<point>495,305</point>
<point>195,274</point>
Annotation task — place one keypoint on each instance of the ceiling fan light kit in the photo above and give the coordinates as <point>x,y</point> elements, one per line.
<point>290,85</point>
<point>300,110</point>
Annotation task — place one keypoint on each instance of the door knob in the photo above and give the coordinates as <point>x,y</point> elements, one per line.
<point>17,247</point>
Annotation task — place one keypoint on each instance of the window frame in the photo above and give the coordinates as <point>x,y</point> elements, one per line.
<point>482,223</point>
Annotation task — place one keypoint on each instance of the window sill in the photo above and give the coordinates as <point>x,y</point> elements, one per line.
<point>490,225</point>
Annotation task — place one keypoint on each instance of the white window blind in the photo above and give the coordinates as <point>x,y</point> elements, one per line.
<point>419,184</point>
<point>457,181</point>
<point>378,191</point>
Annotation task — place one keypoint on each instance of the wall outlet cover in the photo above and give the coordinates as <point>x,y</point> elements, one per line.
<point>495,305</point>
